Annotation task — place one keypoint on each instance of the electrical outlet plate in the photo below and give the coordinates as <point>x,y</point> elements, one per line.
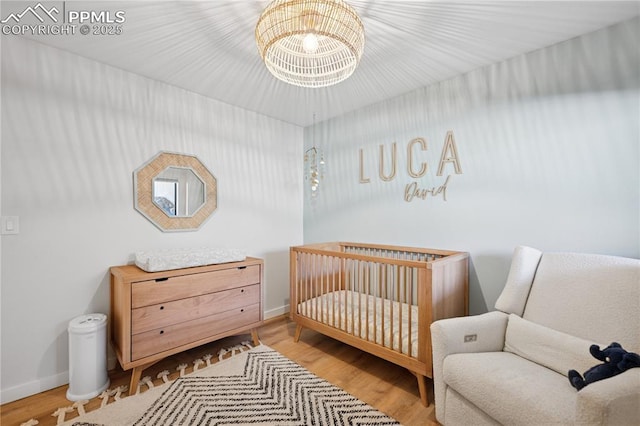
<point>9,225</point>
<point>470,338</point>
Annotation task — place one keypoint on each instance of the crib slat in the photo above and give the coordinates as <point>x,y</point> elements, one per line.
<point>312,288</point>
<point>343,287</point>
<point>351,294</point>
<point>400,310</point>
<point>366,301</point>
<point>335,285</point>
<point>305,278</point>
<point>410,320</point>
<point>376,316</point>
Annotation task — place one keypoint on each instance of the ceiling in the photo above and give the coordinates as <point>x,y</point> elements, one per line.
<point>208,47</point>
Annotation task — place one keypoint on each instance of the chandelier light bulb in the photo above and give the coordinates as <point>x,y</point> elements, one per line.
<point>310,43</point>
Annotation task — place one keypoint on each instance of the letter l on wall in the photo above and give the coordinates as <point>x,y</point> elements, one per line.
<point>362,178</point>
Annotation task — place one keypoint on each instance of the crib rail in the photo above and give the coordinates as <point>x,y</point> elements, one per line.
<point>394,252</point>
<point>408,256</point>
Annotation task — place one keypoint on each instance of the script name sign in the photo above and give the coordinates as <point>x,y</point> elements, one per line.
<point>387,169</point>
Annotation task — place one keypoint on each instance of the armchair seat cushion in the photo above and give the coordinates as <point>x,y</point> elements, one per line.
<point>511,389</point>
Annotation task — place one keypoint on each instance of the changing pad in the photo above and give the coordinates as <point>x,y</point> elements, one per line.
<point>164,260</point>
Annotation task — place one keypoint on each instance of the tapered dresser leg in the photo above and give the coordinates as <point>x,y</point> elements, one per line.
<point>254,337</point>
<point>135,376</point>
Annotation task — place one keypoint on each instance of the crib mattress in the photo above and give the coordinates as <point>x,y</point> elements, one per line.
<point>164,260</point>
<point>382,321</point>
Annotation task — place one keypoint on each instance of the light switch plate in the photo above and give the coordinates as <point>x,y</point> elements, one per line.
<point>10,225</point>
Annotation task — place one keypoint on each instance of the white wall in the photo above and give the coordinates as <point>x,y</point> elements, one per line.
<point>548,143</point>
<point>73,131</point>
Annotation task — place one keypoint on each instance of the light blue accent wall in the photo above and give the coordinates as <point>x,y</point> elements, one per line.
<point>548,143</point>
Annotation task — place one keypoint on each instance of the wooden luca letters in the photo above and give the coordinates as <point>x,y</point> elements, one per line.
<point>387,167</point>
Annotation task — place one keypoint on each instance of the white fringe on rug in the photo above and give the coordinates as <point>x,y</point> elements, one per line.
<point>116,393</point>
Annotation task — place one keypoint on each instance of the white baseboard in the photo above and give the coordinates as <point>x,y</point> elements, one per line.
<point>60,379</point>
<point>33,387</point>
<point>271,313</point>
<point>112,362</point>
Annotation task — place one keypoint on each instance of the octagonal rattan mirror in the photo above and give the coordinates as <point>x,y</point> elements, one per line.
<point>176,192</point>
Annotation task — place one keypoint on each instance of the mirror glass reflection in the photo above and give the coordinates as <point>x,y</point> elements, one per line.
<point>178,192</point>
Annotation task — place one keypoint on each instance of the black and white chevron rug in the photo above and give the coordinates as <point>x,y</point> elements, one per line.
<point>256,387</point>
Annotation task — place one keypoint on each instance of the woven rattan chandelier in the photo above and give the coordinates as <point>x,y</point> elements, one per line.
<point>310,43</point>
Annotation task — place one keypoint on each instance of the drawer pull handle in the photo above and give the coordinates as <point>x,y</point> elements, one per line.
<point>242,291</point>
<point>242,267</point>
<point>161,307</point>
<point>241,310</point>
<point>161,279</point>
<point>161,331</point>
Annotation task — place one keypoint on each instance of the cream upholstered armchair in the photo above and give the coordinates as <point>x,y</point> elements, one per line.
<point>510,366</point>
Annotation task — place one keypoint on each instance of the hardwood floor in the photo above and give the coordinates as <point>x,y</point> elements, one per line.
<point>385,386</point>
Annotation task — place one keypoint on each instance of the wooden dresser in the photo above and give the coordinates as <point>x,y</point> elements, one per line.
<point>157,314</point>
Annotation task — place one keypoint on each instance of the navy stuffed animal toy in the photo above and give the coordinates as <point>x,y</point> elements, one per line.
<point>616,360</point>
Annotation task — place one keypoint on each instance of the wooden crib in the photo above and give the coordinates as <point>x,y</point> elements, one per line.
<point>379,298</point>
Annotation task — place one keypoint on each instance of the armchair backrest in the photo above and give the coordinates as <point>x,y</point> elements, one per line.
<point>594,297</point>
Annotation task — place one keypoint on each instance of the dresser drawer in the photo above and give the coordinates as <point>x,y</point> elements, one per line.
<point>173,336</point>
<point>145,293</point>
<point>169,313</point>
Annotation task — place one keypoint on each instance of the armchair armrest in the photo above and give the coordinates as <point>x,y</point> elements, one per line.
<point>614,401</point>
<point>448,337</point>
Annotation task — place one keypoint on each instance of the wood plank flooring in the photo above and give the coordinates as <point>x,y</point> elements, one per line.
<point>385,386</point>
